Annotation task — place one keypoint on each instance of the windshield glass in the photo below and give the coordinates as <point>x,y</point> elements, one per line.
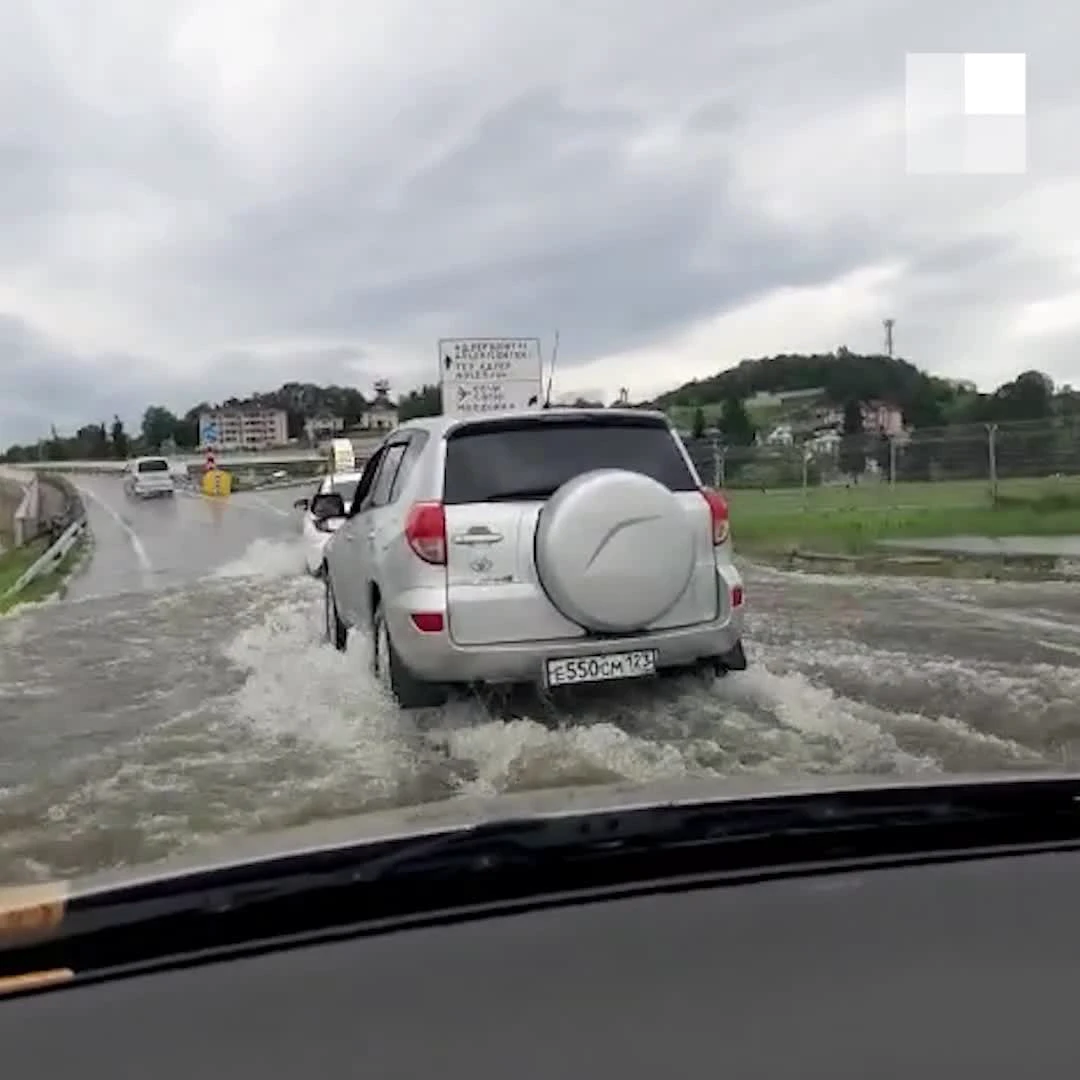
<point>780,298</point>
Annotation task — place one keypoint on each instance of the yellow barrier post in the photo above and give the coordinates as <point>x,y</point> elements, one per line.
<point>217,483</point>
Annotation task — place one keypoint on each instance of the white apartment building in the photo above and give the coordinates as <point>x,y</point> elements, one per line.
<point>247,428</point>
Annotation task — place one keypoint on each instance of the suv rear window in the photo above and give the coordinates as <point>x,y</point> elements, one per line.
<point>501,459</point>
<point>153,465</point>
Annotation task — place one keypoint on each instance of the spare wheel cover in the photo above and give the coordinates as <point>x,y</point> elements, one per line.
<point>614,550</point>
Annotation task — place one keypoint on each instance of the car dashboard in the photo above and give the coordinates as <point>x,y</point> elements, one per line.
<point>965,968</point>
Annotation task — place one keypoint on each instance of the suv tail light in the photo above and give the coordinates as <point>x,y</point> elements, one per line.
<point>718,510</point>
<point>425,530</point>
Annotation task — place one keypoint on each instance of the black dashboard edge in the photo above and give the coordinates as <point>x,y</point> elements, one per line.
<point>345,912</point>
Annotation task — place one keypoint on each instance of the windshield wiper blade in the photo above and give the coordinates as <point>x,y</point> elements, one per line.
<point>520,493</point>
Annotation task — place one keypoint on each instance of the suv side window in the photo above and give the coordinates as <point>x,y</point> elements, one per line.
<point>388,470</point>
<point>417,442</point>
<point>367,479</point>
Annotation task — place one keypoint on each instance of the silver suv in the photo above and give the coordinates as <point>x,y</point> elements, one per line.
<point>558,546</point>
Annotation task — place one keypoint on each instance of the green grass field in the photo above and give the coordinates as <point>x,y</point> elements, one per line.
<point>14,563</point>
<point>853,520</point>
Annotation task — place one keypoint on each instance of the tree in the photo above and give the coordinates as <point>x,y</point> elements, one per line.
<point>1028,397</point>
<point>839,376</point>
<point>119,439</point>
<point>100,441</point>
<point>427,401</point>
<point>187,428</point>
<point>853,443</point>
<point>159,426</point>
<point>55,448</point>
<point>828,381</point>
<point>926,406</point>
<point>698,429</point>
<point>91,442</point>
<point>735,423</point>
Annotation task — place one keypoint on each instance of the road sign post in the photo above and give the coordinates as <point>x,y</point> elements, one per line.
<point>488,376</point>
<point>215,481</point>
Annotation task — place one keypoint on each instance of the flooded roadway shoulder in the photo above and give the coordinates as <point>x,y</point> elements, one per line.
<point>998,558</point>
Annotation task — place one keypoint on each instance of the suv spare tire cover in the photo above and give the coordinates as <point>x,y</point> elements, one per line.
<point>614,550</point>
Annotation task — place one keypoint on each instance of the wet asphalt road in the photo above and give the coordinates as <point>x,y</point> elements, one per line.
<point>181,693</point>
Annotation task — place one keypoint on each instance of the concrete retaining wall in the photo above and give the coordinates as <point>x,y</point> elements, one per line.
<point>23,507</point>
<point>28,517</point>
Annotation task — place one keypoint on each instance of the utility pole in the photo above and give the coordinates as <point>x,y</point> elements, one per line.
<point>888,324</point>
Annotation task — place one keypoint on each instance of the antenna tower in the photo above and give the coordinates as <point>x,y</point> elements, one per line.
<point>888,324</point>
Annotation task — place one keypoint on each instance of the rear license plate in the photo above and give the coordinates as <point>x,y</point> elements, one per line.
<point>590,669</point>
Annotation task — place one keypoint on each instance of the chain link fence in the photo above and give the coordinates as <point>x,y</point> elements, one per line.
<point>973,463</point>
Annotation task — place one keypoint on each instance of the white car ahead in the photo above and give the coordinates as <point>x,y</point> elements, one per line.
<point>148,477</point>
<point>317,531</point>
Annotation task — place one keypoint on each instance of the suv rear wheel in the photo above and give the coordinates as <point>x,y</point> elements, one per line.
<point>395,678</point>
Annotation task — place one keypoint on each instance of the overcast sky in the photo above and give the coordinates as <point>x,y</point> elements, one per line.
<point>206,199</point>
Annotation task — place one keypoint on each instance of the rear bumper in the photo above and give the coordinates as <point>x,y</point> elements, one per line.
<point>436,658</point>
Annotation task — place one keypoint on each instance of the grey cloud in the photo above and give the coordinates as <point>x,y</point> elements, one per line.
<point>611,258</point>
<point>243,372</point>
<point>59,388</point>
<point>972,281</point>
<point>391,227</point>
<point>55,387</point>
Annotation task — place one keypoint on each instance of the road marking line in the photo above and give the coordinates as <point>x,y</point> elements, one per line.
<point>238,501</point>
<point>1072,650</point>
<point>263,501</point>
<point>136,544</point>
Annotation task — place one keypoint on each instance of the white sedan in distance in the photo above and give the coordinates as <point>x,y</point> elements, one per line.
<point>148,477</point>
<point>316,530</point>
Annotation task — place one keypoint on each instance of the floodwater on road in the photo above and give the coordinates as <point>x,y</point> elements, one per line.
<point>1063,547</point>
<point>183,693</point>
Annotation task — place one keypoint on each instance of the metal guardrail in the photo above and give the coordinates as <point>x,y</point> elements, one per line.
<point>46,561</point>
<point>64,527</point>
<point>227,461</point>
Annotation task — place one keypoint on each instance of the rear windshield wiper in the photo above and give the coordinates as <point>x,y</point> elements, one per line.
<point>520,493</point>
<point>490,867</point>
